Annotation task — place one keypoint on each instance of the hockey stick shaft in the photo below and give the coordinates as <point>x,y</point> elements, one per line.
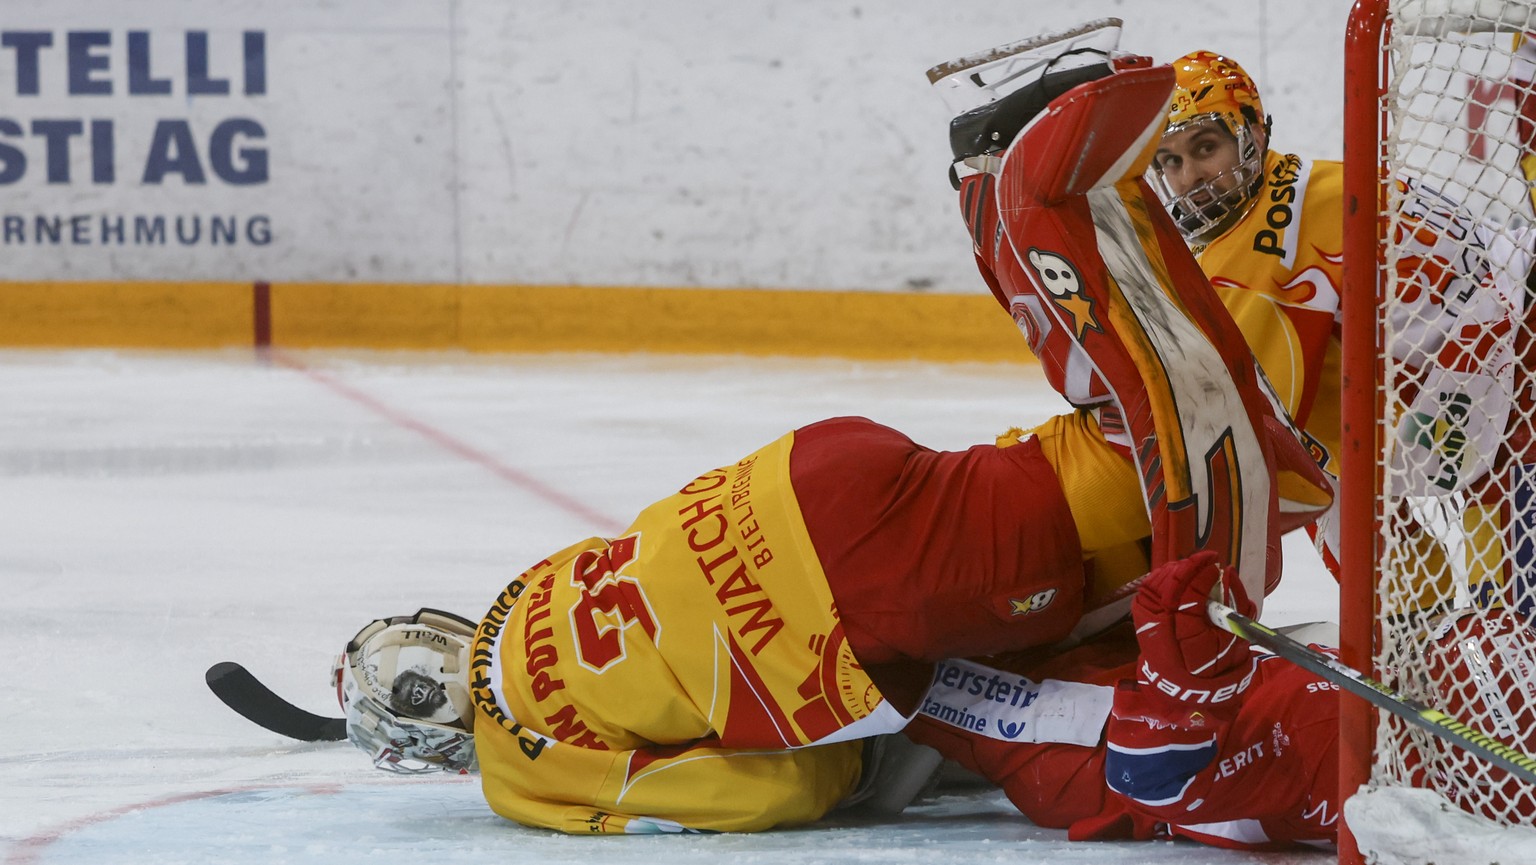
<point>1438,723</point>
<point>255,702</point>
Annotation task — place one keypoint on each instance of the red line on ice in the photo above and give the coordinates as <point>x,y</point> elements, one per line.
<point>528,483</point>
<point>28,849</point>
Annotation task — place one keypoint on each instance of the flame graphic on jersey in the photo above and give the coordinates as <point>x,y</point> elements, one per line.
<point>1312,287</point>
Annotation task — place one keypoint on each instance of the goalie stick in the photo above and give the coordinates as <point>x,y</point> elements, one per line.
<point>1438,723</point>
<point>255,702</point>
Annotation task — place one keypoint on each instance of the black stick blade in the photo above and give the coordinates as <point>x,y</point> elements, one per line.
<point>242,692</point>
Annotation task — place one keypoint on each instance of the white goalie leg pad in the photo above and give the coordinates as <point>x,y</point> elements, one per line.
<point>1211,414</point>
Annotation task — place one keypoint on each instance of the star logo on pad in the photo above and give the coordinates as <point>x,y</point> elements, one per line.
<point>1064,286</point>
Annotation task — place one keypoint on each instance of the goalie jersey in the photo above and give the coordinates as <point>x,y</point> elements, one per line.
<point>1279,272</point>
<point>1459,289</point>
<point>1458,293</point>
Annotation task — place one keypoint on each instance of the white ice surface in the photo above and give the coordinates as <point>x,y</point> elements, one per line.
<point>162,512</point>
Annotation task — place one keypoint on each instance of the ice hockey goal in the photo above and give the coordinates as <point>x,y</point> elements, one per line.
<point>1438,509</point>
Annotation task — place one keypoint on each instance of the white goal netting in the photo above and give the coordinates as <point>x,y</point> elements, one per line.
<point>1455,574</point>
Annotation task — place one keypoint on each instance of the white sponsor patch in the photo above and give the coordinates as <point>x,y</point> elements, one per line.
<point>1013,708</point>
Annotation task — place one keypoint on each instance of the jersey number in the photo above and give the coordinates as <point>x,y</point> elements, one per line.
<point>611,603</point>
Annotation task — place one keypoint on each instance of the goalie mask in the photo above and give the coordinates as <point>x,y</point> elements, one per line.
<point>1484,662</point>
<point>1210,167</point>
<point>403,683</point>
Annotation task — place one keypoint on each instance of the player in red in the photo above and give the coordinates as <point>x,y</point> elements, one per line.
<point>1197,735</point>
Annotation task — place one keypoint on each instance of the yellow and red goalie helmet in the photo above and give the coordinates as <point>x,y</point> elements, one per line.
<point>1212,91</point>
<point>1210,86</point>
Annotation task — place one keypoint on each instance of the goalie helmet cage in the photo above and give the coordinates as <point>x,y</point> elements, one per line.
<point>1435,91</point>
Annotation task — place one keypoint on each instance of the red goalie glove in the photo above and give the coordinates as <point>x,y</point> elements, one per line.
<point>1183,654</point>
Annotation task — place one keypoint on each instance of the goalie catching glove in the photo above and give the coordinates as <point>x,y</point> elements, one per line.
<point>1183,654</point>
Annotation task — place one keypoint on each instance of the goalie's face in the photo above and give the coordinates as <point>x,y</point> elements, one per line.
<point>1198,161</point>
<point>1207,176</point>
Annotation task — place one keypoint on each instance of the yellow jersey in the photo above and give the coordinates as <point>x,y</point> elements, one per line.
<point>612,679</point>
<point>1279,272</point>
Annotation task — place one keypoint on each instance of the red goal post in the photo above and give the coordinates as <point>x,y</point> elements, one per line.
<point>1438,504</point>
